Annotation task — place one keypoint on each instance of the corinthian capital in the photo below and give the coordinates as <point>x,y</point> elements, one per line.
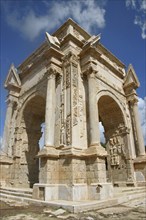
<point>90,71</point>
<point>133,99</point>
<point>51,73</point>
<point>70,58</point>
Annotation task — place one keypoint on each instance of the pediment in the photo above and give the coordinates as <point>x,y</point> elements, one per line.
<point>12,79</point>
<point>131,79</point>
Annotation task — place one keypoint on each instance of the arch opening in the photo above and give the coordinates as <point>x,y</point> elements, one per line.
<point>32,120</point>
<point>112,120</point>
<point>110,116</point>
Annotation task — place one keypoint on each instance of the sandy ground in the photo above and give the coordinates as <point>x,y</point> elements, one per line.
<point>133,210</point>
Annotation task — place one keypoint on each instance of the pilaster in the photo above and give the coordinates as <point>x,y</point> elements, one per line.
<point>70,101</point>
<point>50,108</point>
<point>7,127</point>
<point>139,142</point>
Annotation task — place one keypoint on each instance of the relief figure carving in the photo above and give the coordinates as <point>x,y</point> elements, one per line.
<point>116,150</point>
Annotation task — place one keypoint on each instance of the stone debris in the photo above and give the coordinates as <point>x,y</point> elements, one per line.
<point>20,217</point>
<point>47,211</point>
<point>68,216</point>
<point>89,218</point>
<point>114,210</point>
<point>58,212</point>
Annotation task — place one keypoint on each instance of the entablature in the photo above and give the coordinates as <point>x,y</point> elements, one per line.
<point>49,55</point>
<point>33,57</point>
<point>95,53</point>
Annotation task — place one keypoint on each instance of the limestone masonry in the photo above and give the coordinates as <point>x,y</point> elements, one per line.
<point>71,83</point>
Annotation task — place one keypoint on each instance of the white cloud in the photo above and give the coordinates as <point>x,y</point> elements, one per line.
<point>41,141</point>
<point>131,3</point>
<point>140,17</point>
<point>87,13</point>
<point>142,25</point>
<point>143,5</point>
<point>101,129</point>
<point>142,113</point>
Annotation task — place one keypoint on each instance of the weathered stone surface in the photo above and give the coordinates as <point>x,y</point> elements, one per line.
<point>70,84</point>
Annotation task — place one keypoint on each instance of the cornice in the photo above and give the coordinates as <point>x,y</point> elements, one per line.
<point>98,55</point>
<point>74,39</point>
<point>85,34</point>
<point>44,59</point>
<point>33,56</point>
<point>112,56</point>
<point>52,52</point>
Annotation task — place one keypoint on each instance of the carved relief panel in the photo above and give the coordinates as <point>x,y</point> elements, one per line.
<point>118,163</point>
<point>69,98</point>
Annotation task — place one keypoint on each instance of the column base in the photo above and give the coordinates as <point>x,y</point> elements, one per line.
<point>75,192</point>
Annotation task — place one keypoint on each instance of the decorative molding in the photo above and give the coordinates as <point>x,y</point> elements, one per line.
<point>81,115</point>
<point>75,93</point>
<point>68,77</point>
<point>68,130</point>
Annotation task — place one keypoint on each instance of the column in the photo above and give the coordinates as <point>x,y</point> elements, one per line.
<point>50,108</point>
<point>6,134</point>
<point>93,110</point>
<point>140,141</point>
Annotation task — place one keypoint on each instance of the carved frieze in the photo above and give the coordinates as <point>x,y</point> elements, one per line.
<point>81,114</point>
<point>75,93</point>
<point>62,126</point>
<point>68,77</point>
<point>68,129</point>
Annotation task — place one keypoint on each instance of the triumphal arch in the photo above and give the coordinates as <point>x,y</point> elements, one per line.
<point>71,83</point>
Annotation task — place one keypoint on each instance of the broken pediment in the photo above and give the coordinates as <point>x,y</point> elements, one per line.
<point>52,41</point>
<point>12,79</point>
<point>131,79</point>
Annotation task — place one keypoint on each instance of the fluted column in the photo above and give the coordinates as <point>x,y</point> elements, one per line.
<point>50,108</point>
<point>136,119</point>
<point>6,134</point>
<point>93,109</point>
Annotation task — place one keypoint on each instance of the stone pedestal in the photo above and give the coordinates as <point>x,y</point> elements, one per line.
<point>72,174</point>
<point>5,170</point>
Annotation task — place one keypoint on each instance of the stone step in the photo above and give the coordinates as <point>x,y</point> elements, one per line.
<point>129,189</point>
<point>128,192</point>
<point>16,192</point>
<point>25,190</point>
<point>79,206</point>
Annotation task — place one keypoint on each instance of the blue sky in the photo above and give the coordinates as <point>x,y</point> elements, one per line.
<point>122,24</point>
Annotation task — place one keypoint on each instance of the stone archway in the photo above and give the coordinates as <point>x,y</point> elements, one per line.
<point>116,136</point>
<point>32,118</point>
